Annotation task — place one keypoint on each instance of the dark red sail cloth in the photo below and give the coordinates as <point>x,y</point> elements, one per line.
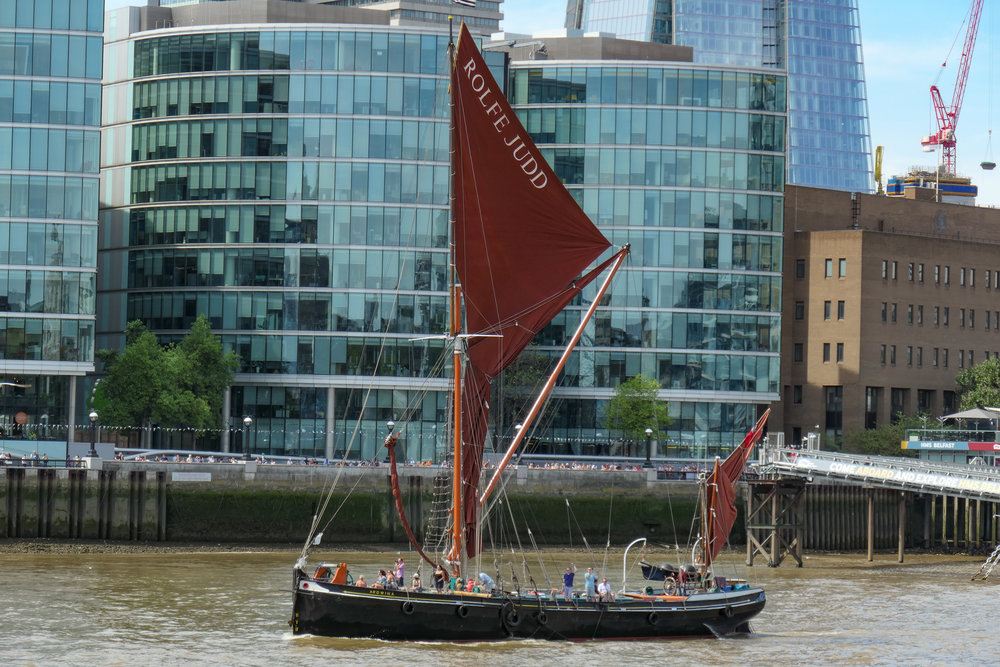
<point>721,491</point>
<point>521,244</point>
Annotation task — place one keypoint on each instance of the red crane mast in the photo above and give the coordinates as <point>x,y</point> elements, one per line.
<point>947,116</point>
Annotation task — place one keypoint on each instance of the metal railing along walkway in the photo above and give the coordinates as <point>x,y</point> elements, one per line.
<point>950,479</point>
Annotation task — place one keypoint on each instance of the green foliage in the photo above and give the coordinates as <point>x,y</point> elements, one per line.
<point>173,385</point>
<point>635,408</point>
<point>979,385</point>
<point>884,440</point>
<point>520,383</point>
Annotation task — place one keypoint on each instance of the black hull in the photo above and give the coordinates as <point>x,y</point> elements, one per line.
<point>334,610</point>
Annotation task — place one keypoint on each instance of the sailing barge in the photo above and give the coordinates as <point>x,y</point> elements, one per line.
<point>521,251</point>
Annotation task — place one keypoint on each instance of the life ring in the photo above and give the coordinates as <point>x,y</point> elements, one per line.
<point>670,586</point>
<point>462,611</point>
<point>407,607</point>
<point>653,618</point>
<point>542,617</point>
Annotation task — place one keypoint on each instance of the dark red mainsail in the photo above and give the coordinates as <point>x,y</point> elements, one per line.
<point>521,244</point>
<point>721,491</point>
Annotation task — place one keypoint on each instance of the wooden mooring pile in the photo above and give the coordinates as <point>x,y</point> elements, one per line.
<point>785,516</point>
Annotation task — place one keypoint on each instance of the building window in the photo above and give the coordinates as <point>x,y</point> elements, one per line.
<point>894,270</point>
<point>947,275</point>
<point>800,268</point>
<point>944,357</point>
<point>800,310</point>
<point>920,356</point>
<point>961,358</point>
<point>826,352</point>
<point>909,314</point>
<point>909,272</point>
<point>945,316</point>
<point>972,358</point>
<point>797,394</point>
<point>885,269</point>
<point>841,309</point>
<point>885,309</point>
<point>937,274</point>
<point>961,318</point>
<point>828,271</point>
<point>934,357</point>
<point>996,317</point>
<point>843,267</point>
<point>972,318</point>
<point>925,399</point>
<point>996,279</point>
<point>987,279</point>
<point>834,408</point>
<point>892,313</point>
<point>826,310</point>
<point>937,315</point>
<point>986,321</point>
<point>920,316</point>
<point>961,277</point>
<point>909,355</point>
<point>797,351</point>
<point>892,355</point>
<point>872,396</point>
<point>840,352</point>
<point>920,273</point>
<point>972,277</point>
<point>881,354</point>
<point>897,401</point>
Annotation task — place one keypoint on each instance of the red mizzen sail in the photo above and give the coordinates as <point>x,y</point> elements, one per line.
<point>720,485</point>
<point>521,243</point>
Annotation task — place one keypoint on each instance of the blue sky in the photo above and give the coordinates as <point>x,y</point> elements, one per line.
<point>905,44</point>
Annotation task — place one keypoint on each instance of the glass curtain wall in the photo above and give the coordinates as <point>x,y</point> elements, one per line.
<point>686,164</point>
<point>50,101</point>
<point>293,186</point>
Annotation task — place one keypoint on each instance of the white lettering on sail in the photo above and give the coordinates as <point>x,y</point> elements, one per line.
<point>521,153</point>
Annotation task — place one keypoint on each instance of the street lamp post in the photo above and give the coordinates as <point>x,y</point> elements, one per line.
<point>649,437</point>
<point>93,434</point>
<point>247,421</point>
<point>391,425</point>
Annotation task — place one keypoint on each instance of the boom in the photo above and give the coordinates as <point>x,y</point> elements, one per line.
<point>947,116</point>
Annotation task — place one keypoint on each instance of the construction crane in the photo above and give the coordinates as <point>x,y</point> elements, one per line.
<point>947,116</point>
<point>878,170</point>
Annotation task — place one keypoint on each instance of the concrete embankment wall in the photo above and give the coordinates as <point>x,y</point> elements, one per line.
<point>126,501</point>
<point>264,503</point>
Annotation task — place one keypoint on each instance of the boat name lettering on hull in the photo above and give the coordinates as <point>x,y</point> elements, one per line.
<point>519,150</point>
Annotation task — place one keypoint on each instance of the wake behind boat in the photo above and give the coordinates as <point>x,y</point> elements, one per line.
<point>521,252</point>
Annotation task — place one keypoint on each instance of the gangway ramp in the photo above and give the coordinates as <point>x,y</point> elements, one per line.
<point>975,482</point>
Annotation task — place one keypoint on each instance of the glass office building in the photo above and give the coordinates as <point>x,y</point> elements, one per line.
<point>50,100</point>
<point>687,164</point>
<point>818,44</point>
<point>290,181</point>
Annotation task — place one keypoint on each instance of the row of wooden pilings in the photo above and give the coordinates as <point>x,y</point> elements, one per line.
<point>61,503</point>
<point>784,516</point>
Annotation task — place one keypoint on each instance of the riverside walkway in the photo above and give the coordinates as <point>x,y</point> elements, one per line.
<point>957,480</point>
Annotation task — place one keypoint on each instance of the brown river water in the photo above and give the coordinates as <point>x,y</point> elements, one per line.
<point>233,608</point>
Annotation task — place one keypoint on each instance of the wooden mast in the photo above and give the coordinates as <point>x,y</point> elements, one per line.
<point>454,329</point>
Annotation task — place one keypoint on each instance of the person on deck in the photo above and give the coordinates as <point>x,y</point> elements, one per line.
<point>485,583</point>
<point>382,580</point>
<point>400,571</point>
<point>417,585</point>
<point>604,590</point>
<point>360,583</point>
<point>568,580</point>
<point>590,581</point>
<point>439,578</point>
